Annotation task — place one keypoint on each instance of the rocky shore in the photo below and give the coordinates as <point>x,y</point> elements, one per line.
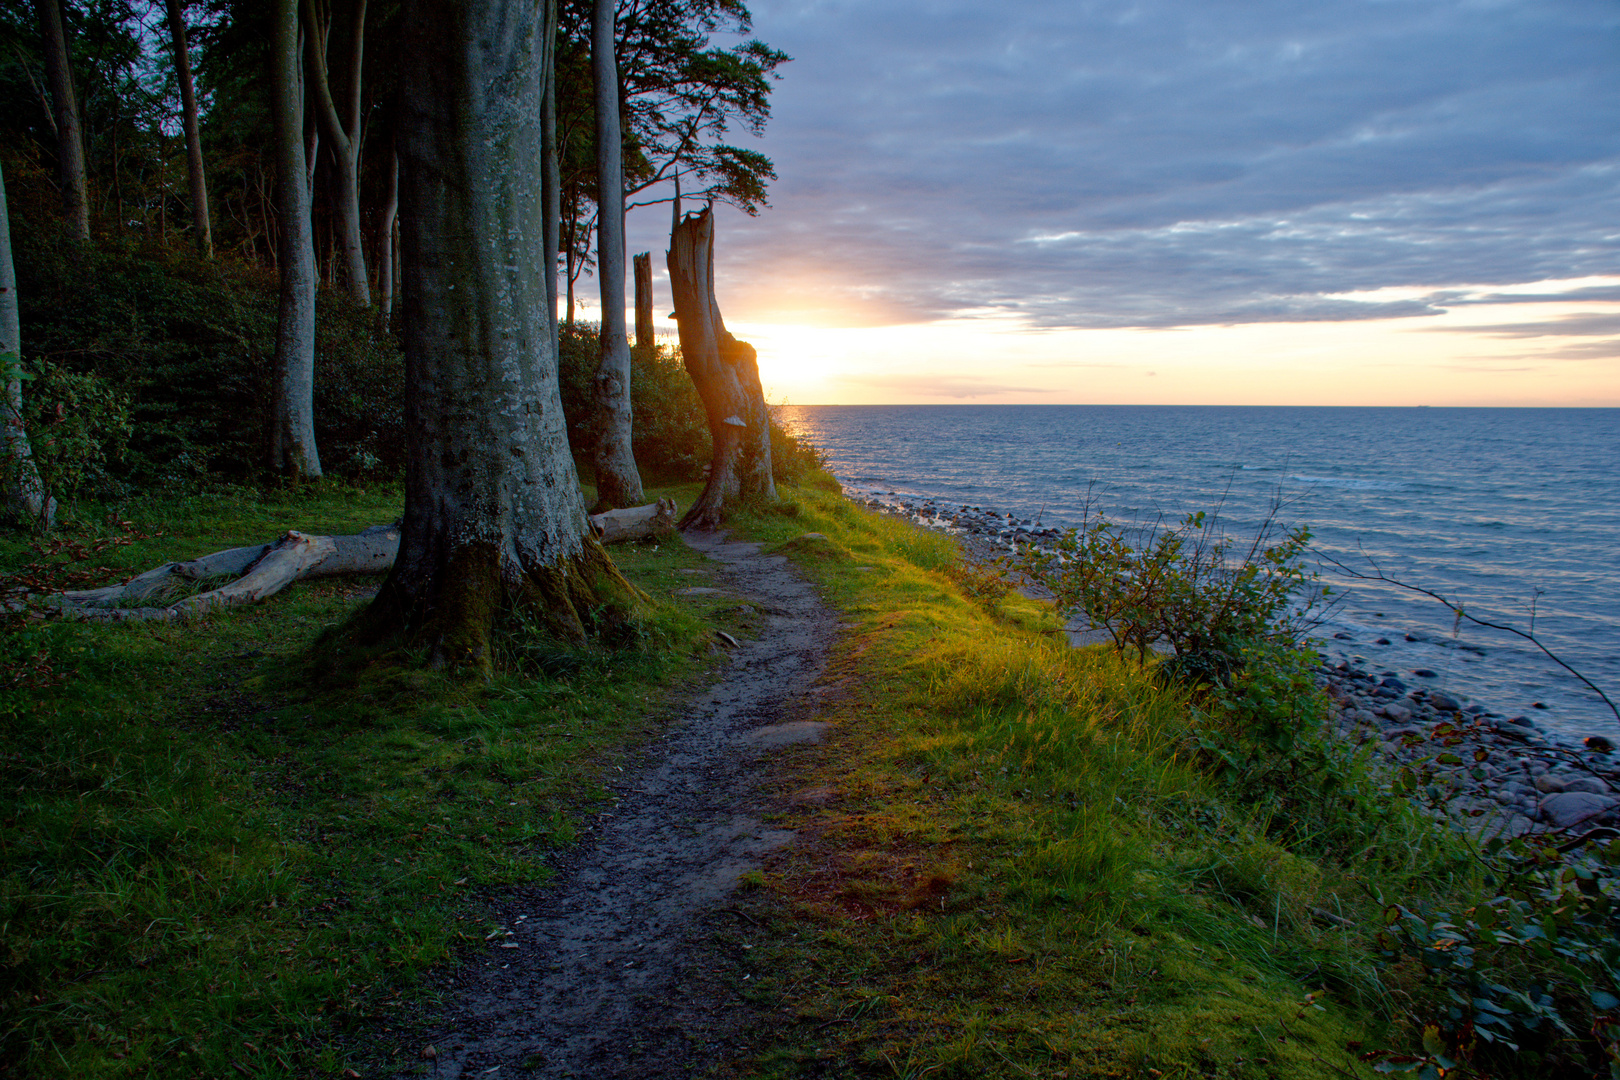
<point>1486,772</point>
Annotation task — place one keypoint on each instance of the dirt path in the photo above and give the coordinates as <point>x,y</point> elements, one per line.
<point>613,970</point>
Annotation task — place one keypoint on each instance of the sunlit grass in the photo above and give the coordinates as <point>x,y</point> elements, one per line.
<point>1011,863</point>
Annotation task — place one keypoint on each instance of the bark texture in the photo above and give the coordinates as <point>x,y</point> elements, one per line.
<point>644,301</point>
<point>292,430</point>
<point>342,134</point>
<point>617,481</point>
<point>201,228</point>
<point>494,520</point>
<point>551,161</point>
<point>726,374</point>
<point>65,106</point>
<point>25,497</point>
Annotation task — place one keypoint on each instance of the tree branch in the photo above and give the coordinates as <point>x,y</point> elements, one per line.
<point>1461,614</point>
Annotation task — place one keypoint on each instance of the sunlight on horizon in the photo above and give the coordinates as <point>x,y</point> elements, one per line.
<point>1477,352</point>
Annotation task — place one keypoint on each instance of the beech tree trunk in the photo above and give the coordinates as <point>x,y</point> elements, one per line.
<point>202,230</point>
<point>617,481</point>
<point>494,521</point>
<point>292,425</point>
<point>726,373</point>
<point>343,136</point>
<point>65,104</point>
<point>644,301</point>
<point>385,245</point>
<point>25,498</point>
<point>552,180</point>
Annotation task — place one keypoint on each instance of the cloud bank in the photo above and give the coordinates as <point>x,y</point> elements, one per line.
<point>1154,163</point>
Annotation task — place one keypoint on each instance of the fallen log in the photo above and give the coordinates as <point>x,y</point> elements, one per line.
<point>635,522</point>
<point>246,575</point>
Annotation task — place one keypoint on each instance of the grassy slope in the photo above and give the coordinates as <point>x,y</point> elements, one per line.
<point>213,856</point>
<point>1010,868</point>
<point>211,861</point>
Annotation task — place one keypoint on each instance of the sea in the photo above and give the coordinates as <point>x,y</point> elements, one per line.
<point>1514,514</point>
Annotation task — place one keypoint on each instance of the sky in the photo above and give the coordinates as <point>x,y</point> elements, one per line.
<point>1362,202</point>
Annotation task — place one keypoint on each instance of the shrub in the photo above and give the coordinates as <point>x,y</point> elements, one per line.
<point>78,426</point>
<point>191,345</point>
<point>1233,616</point>
<point>1194,587</point>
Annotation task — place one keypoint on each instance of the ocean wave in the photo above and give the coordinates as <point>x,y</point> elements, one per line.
<point>1350,483</point>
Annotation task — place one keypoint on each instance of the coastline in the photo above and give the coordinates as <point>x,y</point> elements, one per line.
<point>1486,772</point>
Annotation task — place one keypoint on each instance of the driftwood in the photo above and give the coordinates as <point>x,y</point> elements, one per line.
<point>250,574</point>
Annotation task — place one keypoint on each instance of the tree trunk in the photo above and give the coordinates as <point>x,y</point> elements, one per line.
<point>494,521</point>
<point>726,373</point>
<point>385,245</point>
<point>292,431</point>
<point>343,135</point>
<point>644,301</point>
<point>202,231</point>
<point>551,159</point>
<point>25,497</point>
<point>69,140</point>
<point>617,482</point>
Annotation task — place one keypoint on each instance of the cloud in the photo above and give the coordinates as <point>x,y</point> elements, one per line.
<point>939,386</point>
<point>1585,324</point>
<point>1161,163</point>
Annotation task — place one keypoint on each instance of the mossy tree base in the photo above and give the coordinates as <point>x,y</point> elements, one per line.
<point>481,590</point>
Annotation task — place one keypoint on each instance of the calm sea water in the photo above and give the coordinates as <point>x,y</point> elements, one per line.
<point>1514,513</point>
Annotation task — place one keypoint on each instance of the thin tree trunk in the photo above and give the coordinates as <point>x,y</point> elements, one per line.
<point>726,373</point>
<point>552,163</point>
<point>69,139</point>
<point>292,431</point>
<point>385,242</point>
<point>644,302</point>
<point>569,236</point>
<point>25,497</point>
<point>343,135</point>
<point>617,481</point>
<point>494,520</point>
<point>202,230</point>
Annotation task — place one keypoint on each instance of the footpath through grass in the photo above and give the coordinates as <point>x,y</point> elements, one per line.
<point>1010,864</point>
<point>218,852</point>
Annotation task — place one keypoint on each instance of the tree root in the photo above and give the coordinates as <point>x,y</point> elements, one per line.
<point>248,575</point>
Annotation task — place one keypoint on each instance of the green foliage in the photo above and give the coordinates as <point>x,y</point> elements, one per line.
<point>1193,586</point>
<point>1532,970</point>
<point>78,426</point>
<point>192,347</point>
<point>669,431</point>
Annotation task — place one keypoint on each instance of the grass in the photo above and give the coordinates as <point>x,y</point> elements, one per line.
<point>1011,865</point>
<point>219,855</point>
<point>215,858</point>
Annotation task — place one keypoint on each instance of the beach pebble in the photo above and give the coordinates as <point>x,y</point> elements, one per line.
<point>1548,784</point>
<point>1570,808</point>
<point>1400,714</point>
<point>1597,744</point>
<point>1444,701</point>
<point>1589,784</point>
